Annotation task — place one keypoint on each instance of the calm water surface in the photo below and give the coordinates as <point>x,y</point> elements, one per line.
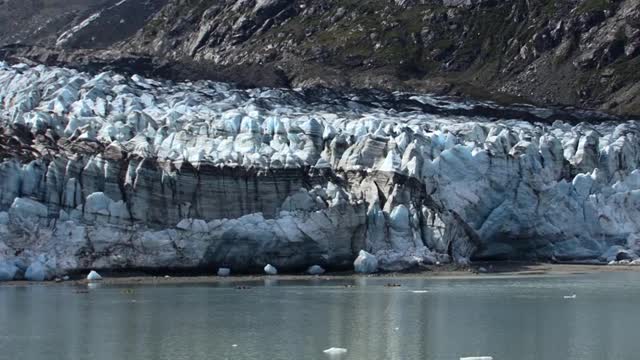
<point>508,318</point>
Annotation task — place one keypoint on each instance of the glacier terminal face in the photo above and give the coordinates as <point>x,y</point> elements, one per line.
<point>110,171</point>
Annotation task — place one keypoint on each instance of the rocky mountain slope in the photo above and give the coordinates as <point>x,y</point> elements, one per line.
<point>122,172</point>
<point>118,151</point>
<point>579,52</point>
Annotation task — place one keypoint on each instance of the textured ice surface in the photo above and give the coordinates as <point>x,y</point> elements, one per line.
<point>113,171</point>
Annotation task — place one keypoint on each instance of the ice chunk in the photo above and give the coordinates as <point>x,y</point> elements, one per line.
<point>365,263</point>
<point>194,225</point>
<point>25,208</point>
<point>270,270</point>
<point>94,276</point>
<point>335,351</point>
<point>477,358</point>
<point>315,270</point>
<point>570,296</point>
<point>224,272</point>
<point>7,271</point>
<point>37,271</point>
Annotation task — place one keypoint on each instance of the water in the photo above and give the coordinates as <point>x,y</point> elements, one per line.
<point>508,318</point>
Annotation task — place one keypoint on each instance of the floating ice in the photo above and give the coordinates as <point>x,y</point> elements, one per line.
<point>365,263</point>
<point>270,270</point>
<point>94,276</point>
<point>420,291</point>
<point>570,296</point>
<point>335,351</point>
<point>315,270</point>
<point>224,272</point>
<point>477,358</point>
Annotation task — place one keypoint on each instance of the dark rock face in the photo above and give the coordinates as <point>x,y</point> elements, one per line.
<point>578,53</point>
<point>73,23</point>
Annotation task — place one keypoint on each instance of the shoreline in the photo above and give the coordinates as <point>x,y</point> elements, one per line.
<point>477,271</point>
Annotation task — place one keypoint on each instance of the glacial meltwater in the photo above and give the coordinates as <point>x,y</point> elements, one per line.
<point>523,318</point>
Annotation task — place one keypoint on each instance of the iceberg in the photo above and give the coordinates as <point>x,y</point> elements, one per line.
<point>315,270</point>
<point>94,276</point>
<point>224,272</point>
<point>270,270</point>
<point>365,263</point>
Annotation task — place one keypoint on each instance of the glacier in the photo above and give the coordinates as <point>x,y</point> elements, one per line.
<point>111,171</point>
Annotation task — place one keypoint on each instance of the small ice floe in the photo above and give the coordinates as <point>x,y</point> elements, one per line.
<point>315,270</point>
<point>335,351</point>
<point>234,345</point>
<point>420,291</point>
<point>94,276</point>
<point>570,296</point>
<point>270,270</point>
<point>224,272</point>
<point>477,358</point>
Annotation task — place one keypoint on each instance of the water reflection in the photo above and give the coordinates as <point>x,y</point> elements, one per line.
<point>506,318</point>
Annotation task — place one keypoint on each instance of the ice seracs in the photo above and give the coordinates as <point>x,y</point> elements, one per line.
<point>110,171</point>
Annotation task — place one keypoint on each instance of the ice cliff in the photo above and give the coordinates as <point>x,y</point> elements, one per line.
<point>121,172</point>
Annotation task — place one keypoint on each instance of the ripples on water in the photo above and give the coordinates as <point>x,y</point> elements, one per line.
<point>508,318</point>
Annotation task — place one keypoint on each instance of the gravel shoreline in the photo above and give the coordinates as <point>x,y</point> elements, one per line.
<point>477,271</point>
